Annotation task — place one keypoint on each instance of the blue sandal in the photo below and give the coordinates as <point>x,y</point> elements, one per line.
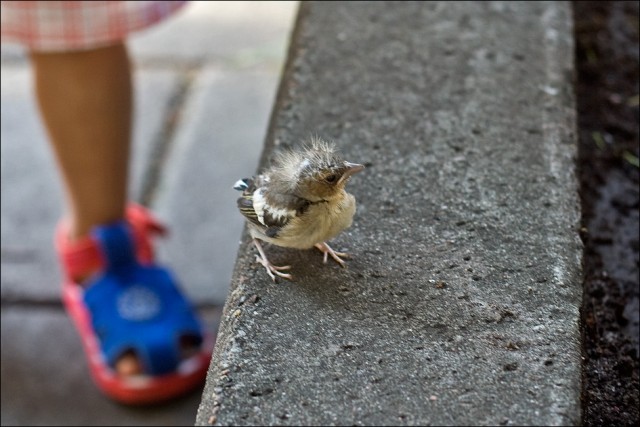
<point>135,307</point>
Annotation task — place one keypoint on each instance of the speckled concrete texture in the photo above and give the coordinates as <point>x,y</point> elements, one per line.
<point>460,305</point>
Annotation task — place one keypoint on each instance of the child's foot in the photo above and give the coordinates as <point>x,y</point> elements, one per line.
<point>128,365</point>
<point>142,338</point>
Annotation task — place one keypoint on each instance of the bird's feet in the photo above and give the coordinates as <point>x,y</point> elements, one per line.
<point>272,270</point>
<point>326,250</point>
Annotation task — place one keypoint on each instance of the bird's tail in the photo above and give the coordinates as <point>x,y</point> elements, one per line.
<point>241,184</point>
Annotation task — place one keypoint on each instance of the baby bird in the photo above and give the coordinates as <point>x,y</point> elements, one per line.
<point>300,202</point>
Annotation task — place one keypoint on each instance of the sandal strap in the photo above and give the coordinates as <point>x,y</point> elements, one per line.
<point>144,225</point>
<point>84,255</point>
<point>79,257</point>
<point>116,242</point>
<point>137,307</point>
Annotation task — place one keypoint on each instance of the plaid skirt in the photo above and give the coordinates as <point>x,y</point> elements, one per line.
<point>77,25</point>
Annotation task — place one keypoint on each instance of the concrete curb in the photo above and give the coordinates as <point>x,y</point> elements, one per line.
<point>461,302</point>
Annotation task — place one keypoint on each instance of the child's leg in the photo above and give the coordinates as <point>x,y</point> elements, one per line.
<point>85,100</point>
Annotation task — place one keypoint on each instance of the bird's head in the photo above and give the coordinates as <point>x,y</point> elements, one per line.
<point>316,172</point>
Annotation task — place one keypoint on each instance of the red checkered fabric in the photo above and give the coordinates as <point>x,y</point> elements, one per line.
<point>76,25</point>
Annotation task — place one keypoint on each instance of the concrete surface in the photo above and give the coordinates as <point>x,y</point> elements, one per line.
<point>460,305</point>
<point>205,77</point>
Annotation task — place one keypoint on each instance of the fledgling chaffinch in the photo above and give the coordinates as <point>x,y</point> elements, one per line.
<point>299,202</point>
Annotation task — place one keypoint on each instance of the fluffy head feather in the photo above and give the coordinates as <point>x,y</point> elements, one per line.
<point>293,165</point>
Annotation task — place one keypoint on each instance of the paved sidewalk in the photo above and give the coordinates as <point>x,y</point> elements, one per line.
<point>205,85</point>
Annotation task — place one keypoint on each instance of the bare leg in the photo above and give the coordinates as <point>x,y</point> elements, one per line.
<point>271,269</point>
<point>326,250</point>
<point>85,101</point>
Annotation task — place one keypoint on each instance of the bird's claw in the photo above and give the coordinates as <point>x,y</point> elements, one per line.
<point>274,269</point>
<point>326,250</point>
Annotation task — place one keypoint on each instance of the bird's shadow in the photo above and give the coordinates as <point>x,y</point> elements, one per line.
<point>326,283</point>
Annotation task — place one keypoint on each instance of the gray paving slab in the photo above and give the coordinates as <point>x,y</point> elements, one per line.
<point>45,377</point>
<point>241,32</point>
<point>10,52</point>
<point>155,91</point>
<point>460,305</point>
<point>220,137</point>
<point>31,192</point>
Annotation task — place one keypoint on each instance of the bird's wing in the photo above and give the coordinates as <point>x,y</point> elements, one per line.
<point>245,202</point>
<point>245,205</point>
<point>268,209</point>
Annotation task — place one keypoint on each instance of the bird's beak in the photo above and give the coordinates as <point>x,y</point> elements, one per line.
<point>350,169</point>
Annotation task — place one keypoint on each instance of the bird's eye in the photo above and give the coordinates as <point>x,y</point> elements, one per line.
<point>331,179</point>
